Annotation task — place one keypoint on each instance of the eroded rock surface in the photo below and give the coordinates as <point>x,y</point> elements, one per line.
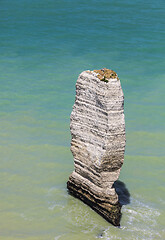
<point>98,141</point>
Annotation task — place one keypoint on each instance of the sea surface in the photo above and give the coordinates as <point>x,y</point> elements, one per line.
<point>44,46</point>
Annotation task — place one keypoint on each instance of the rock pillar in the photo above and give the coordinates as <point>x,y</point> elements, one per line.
<point>98,141</point>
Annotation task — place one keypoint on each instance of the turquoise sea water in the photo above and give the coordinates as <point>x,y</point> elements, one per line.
<point>44,46</point>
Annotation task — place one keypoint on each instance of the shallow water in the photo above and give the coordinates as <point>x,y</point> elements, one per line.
<point>44,45</point>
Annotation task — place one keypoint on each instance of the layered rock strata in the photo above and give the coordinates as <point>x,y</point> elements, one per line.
<point>98,141</point>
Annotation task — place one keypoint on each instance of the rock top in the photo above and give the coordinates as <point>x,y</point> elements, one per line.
<point>97,127</point>
<point>104,74</point>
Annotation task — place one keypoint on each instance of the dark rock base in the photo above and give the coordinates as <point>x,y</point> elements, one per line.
<point>110,212</point>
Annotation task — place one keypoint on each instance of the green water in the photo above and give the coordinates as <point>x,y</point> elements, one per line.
<point>44,46</point>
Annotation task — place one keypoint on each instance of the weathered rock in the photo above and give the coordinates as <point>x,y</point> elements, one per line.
<point>98,141</point>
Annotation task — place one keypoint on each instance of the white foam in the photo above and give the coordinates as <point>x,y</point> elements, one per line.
<point>54,205</point>
<point>58,237</point>
<point>22,215</point>
<point>139,222</point>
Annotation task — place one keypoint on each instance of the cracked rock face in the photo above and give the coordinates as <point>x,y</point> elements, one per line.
<point>98,141</point>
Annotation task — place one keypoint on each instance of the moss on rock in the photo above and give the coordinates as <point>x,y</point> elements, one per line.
<point>105,74</point>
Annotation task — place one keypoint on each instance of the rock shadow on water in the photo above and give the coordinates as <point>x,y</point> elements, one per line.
<point>122,191</point>
<point>124,198</point>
